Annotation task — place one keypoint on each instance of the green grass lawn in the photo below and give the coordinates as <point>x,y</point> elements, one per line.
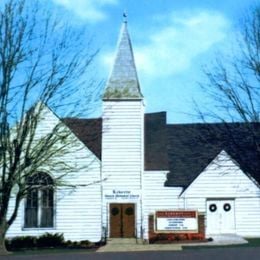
<point>252,242</point>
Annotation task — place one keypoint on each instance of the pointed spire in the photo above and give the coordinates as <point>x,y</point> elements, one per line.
<point>123,81</point>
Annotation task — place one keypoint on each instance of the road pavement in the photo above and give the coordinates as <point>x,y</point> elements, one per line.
<point>252,253</point>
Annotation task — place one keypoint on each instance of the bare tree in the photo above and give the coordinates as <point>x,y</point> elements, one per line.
<point>233,82</point>
<point>42,62</point>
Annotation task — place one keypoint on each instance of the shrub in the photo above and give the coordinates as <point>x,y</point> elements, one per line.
<point>46,240</point>
<point>50,240</point>
<point>21,242</point>
<point>79,244</point>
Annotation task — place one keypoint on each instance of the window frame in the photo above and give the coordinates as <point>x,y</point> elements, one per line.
<point>39,190</point>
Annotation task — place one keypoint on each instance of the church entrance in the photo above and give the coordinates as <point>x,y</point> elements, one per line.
<point>122,220</point>
<point>220,216</point>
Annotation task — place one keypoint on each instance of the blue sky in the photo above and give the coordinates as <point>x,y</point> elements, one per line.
<point>172,41</point>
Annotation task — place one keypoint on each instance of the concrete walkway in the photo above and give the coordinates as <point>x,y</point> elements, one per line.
<point>131,244</point>
<point>221,240</point>
<point>227,239</point>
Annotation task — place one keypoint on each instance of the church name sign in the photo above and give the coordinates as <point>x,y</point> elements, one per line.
<point>176,221</point>
<point>122,195</point>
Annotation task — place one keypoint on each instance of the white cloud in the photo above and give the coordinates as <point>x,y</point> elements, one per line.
<point>183,37</point>
<point>90,10</point>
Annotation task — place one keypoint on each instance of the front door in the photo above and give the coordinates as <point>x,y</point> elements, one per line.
<point>220,216</point>
<point>122,220</point>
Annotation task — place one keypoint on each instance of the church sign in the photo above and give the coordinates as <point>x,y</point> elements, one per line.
<point>176,221</point>
<point>122,195</point>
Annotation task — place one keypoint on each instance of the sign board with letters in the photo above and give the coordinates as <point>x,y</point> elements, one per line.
<point>122,195</point>
<point>176,221</point>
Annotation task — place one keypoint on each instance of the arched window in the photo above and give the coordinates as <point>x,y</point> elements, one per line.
<point>39,211</point>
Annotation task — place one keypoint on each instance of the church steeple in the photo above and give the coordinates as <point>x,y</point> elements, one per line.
<point>123,133</point>
<point>123,82</point>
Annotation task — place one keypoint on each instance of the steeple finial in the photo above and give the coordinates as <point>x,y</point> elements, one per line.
<point>125,16</point>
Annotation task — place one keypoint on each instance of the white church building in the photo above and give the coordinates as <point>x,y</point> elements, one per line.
<point>134,165</point>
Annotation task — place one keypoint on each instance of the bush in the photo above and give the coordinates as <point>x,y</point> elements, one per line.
<point>26,242</point>
<point>46,240</point>
<point>79,244</point>
<point>50,240</point>
<point>21,242</point>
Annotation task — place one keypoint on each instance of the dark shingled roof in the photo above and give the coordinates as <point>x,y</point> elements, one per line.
<point>183,149</point>
<point>89,132</point>
<point>191,147</point>
<point>156,156</point>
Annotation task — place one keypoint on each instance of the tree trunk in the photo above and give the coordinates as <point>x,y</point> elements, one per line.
<point>3,229</point>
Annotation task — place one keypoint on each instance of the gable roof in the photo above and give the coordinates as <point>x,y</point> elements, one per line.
<point>191,147</point>
<point>89,131</point>
<point>184,150</point>
<point>241,180</point>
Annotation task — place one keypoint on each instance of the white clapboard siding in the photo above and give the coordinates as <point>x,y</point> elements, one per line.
<point>223,179</point>
<point>247,217</point>
<point>77,211</point>
<point>247,212</point>
<point>122,154</point>
<point>158,197</point>
<point>195,203</point>
<point>122,144</point>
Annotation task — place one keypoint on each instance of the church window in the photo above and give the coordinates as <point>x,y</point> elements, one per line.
<point>39,205</point>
